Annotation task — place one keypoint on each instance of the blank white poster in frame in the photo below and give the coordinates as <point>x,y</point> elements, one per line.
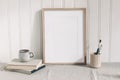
<point>64,36</point>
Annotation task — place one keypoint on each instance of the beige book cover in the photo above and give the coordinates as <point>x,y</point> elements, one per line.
<point>27,71</point>
<point>16,64</point>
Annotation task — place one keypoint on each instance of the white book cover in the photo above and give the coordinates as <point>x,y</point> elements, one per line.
<point>16,64</point>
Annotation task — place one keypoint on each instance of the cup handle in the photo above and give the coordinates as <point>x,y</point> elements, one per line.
<point>31,54</point>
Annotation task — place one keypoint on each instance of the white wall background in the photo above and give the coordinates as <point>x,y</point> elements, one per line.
<point>20,26</point>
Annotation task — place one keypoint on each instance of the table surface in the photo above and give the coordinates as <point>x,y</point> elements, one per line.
<point>108,71</point>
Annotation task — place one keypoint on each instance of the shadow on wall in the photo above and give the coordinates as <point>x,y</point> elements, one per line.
<point>37,36</point>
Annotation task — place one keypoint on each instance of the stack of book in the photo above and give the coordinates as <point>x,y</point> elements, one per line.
<point>25,67</point>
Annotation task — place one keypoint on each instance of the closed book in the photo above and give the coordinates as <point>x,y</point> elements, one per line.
<point>30,71</point>
<point>16,64</point>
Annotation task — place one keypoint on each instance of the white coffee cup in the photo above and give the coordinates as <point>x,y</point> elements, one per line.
<point>25,55</point>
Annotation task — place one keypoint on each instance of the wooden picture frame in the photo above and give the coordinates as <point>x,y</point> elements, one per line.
<point>53,22</point>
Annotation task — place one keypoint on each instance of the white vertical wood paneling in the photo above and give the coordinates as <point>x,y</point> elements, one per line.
<point>105,9</point>
<point>115,31</point>
<point>4,32</point>
<point>69,3</point>
<point>46,4</point>
<point>110,29</point>
<point>57,3</point>
<point>25,23</point>
<point>14,27</point>
<point>52,3</point>
<point>20,26</point>
<point>88,31</point>
<point>99,19</point>
<point>93,15</point>
<point>63,3</point>
<point>36,28</point>
<point>80,3</point>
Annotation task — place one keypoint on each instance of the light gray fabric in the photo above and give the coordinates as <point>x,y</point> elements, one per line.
<point>109,71</point>
<point>68,72</point>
